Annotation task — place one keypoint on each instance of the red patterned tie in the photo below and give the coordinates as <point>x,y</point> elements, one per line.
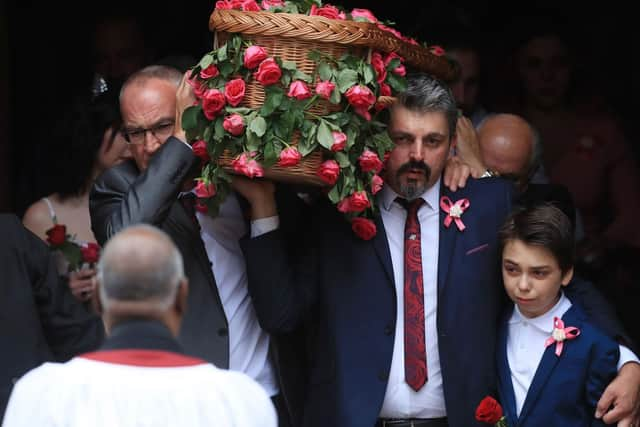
<point>415,353</point>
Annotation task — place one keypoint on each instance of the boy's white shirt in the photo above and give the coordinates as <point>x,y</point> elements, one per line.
<point>525,346</point>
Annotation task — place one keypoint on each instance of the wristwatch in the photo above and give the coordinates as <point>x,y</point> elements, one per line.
<point>488,174</point>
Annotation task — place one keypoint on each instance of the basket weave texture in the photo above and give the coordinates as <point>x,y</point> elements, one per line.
<point>291,37</point>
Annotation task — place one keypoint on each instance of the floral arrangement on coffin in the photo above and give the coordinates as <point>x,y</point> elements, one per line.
<point>75,254</point>
<point>287,127</point>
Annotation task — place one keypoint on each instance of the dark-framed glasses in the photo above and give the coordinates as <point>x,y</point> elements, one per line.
<point>160,130</point>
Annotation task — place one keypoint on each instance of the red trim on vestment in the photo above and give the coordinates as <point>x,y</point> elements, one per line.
<point>148,358</point>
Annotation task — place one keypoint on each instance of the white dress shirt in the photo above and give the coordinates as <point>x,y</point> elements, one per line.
<point>248,343</point>
<point>400,400</point>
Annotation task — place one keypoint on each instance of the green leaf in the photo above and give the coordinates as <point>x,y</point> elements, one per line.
<point>270,154</point>
<point>258,126</point>
<point>218,132</point>
<point>190,117</point>
<point>72,253</point>
<point>369,74</point>
<point>334,194</point>
<point>206,61</point>
<point>289,65</point>
<point>397,83</point>
<point>273,98</point>
<point>226,69</point>
<point>346,79</point>
<point>307,141</point>
<point>236,42</point>
<point>325,138</point>
<point>335,97</point>
<point>342,159</point>
<point>325,71</point>
<point>253,141</point>
<point>299,75</point>
<point>393,64</point>
<point>222,53</point>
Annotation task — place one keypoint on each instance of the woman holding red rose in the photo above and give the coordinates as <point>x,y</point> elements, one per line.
<point>90,130</point>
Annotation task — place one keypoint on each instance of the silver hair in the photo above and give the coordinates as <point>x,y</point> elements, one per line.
<point>161,72</point>
<point>140,264</point>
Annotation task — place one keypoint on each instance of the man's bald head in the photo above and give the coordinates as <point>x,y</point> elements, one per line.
<point>509,146</point>
<point>140,269</point>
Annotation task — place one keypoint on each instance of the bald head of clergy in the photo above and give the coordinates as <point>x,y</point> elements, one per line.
<point>141,276</point>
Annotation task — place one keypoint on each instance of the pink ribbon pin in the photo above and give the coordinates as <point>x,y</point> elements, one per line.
<point>560,333</point>
<point>454,211</point>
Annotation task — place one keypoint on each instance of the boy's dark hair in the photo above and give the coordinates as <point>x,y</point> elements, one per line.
<point>542,225</point>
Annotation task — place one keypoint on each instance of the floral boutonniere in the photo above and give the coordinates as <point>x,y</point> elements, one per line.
<point>560,334</point>
<point>454,211</point>
<point>74,253</point>
<point>489,411</point>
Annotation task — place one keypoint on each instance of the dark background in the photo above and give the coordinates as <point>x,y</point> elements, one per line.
<point>46,50</point>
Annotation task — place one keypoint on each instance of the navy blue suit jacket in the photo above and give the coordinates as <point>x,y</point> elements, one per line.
<point>565,390</point>
<point>344,287</point>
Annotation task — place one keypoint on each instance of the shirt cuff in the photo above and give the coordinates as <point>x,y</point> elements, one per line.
<point>264,225</point>
<point>626,356</point>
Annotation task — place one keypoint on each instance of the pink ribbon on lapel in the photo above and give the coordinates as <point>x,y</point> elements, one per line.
<point>560,334</point>
<point>454,211</point>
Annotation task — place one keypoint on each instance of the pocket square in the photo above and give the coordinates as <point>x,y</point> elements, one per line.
<point>477,249</point>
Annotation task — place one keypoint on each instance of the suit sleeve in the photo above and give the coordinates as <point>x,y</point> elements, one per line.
<point>68,327</point>
<point>602,370</point>
<point>119,199</point>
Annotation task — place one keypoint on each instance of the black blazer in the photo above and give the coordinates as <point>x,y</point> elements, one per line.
<point>40,320</point>
<point>123,196</point>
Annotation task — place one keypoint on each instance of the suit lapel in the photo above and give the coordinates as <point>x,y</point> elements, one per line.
<point>507,395</point>
<point>544,371</point>
<point>447,240</point>
<point>381,246</point>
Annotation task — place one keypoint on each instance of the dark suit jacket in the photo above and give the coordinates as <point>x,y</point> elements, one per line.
<point>346,285</point>
<point>40,320</point>
<point>565,390</point>
<point>123,196</point>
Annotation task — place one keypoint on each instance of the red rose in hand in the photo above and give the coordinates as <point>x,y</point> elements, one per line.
<point>234,92</point>
<point>329,171</point>
<point>200,149</point>
<point>212,103</point>
<point>204,191</point>
<point>210,71</point>
<point>268,72</point>
<point>234,124</point>
<point>253,56</point>
<point>324,89</point>
<point>90,253</point>
<point>57,235</point>
<point>289,157</point>
<point>369,161</point>
<point>364,228</point>
<point>489,411</point>
<point>339,141</point>
<point>299,90</point>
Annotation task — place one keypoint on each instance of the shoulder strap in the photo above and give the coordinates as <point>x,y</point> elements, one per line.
<point>52,213</point>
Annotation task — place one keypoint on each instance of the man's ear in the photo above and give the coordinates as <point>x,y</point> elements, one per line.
<point>180,304</point>
<point>566,277</point>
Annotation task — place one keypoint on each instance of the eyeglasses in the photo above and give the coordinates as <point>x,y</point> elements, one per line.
<point>161,130</point>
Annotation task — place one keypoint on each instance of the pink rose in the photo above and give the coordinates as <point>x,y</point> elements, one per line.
<point>376,184</point>
<point>253,56</point>
<point>364,113</point>
<point>329,171</point>
<point>199,87</point>
<point>379,66</point>
<point>369,161</point>
<point>363,13</point>
<point>212,103</point>
<point>204,191</point>
<point>390,30</point>
<point>90,253</point>
<point>290,156</point>
<point>268,4</point>
<point>363,228</point>
<point>339,141</point>
<point>411,41</point>
<point>385,89</point>
<point>359,201</point>
<point>324,89</point>
<point>250,6</point>
<point>299,90</point>
<point>328,11</point>
<point>248,167</point>
<point>223,5</point>
<point>234,91</point>
<point>209,72</point>
<point>399,70</point>
<point>437,50</point>
<point>234,124</point>
<point>200,149</point>
<point>344,205</point>
<point>360,96</point>
<point>268,72</point>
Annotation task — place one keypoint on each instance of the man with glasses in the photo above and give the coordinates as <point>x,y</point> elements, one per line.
<point>220,325</point>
